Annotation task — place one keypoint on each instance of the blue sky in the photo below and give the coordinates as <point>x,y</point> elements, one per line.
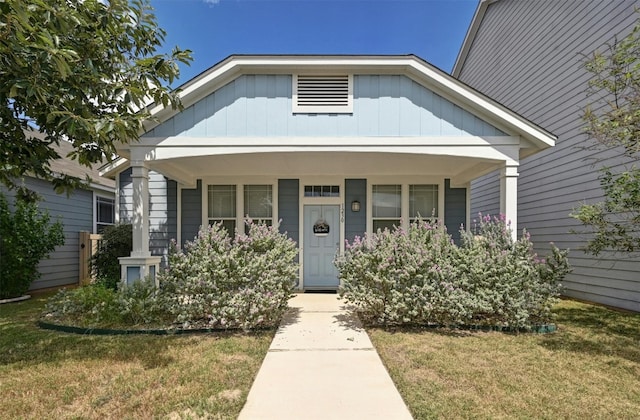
<point>214,29</point>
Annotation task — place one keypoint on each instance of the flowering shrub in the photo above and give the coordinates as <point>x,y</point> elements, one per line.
<point>242,282</point>
<point>216,282</point>
<point>510,284</point>
<point>420,276</point>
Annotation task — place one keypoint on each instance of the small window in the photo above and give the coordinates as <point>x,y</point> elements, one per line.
<point>258,204</point>
<point>423,202</point>
<point>322,191</point>
<point>105,213</point>
<point>323,94</point>
<point>222,206</point>
<point>387,206</point>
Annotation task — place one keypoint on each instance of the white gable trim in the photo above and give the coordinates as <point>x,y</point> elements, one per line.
<point>412,66</point>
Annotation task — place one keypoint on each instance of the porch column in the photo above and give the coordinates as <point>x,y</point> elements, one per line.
<point>509,197</point>
<point>140,184</point>
<point>140,264</point>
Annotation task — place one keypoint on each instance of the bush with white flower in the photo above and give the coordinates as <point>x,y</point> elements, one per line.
<point>222,282</point>
<point>419,276</point>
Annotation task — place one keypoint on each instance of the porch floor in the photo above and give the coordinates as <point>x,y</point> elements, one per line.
<point>322,365</point>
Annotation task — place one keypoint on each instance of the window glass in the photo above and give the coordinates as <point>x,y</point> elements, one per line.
<point>387,206</point>
<point>105,213</point>
<point>381,224</point>
<point>258,201</point>
<point>423,201</point>
<point>387,201</point>
<point>222,201</point>
<point>222,206</point>
<point>322,191</point>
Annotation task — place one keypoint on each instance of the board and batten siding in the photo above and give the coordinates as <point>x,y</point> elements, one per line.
<point>528,56</point>
<point>76,214</point>
<point>191,212</point>
<point>455,210</point>
<point>289,207</point>
<point>355,223</point>
<point>385,105</point>
<point>162,210</point>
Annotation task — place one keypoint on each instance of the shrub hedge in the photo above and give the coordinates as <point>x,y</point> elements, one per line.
<point>215,282</point>
<point>27,235</point>
<point>420,276</point>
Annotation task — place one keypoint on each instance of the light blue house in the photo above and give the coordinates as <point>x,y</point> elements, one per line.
<point>333,146</point>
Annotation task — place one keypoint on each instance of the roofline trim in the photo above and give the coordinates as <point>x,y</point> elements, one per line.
<point>410,65</point>
<point>470,36</point>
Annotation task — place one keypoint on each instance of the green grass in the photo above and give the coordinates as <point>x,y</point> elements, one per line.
<point>48,374</point>
<point>589,368</point>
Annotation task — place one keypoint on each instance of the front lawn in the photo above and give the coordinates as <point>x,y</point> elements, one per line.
<point>46,374</point>
<point>589,368</point>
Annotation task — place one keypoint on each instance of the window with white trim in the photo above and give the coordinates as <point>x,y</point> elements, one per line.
<point>105,213</point>
<point>258,203</point>
<point>423,201</point>
<point>222,206</point>
<point>322,191</point>
<point>387,206</point>
<point>323,94</point>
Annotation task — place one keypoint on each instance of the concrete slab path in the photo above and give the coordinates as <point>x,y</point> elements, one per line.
<point>322,365</point>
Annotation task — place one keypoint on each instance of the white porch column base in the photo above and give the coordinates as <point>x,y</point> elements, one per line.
<point>509,197</point>
<point>139,268</point>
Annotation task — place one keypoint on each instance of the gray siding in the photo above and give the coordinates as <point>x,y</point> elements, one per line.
<point>125,196</point>
<point>76,214</point>
<point>163,210</point>
<point>158,216</point>
<point>289,207</point>
<point>386,105</point>
<point>455,209</point>
<point>191,212</point>
<point>172,209</point>
<point>527,55</point>
<point>355,223</point>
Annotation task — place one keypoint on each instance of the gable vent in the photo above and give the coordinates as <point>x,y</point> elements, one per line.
<point>323,94</point>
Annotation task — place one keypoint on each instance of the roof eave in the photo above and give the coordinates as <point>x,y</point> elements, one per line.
<point>228,69</point>
<point>470,36</point>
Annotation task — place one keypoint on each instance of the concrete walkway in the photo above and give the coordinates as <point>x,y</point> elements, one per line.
<point>322,365</point>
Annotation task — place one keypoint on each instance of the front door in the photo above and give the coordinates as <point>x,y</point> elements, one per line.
<point>321,243</point>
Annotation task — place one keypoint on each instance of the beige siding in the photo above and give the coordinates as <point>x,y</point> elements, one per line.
<point>527,55</point>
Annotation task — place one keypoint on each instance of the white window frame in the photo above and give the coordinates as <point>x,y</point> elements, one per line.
<point>96,196</point>
<point>224,218</point>
<point>429,217</point>
<point>388,219</point>
<point>404,182</point>
<point>239,183</point>
<point>245,215</point>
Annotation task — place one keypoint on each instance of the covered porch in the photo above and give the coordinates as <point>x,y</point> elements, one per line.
<point>369,183</point>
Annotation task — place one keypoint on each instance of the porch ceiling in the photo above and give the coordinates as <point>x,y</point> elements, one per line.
<point>350,164</point>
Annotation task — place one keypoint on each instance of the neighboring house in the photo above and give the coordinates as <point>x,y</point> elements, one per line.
<point>89,209</point>
<point>333,146</point>
<point>528,55</point>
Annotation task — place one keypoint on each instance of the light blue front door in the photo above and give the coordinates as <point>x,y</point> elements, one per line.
<point>320,247</point>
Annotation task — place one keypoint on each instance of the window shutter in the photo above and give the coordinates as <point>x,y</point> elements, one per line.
<point>323,94</point>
